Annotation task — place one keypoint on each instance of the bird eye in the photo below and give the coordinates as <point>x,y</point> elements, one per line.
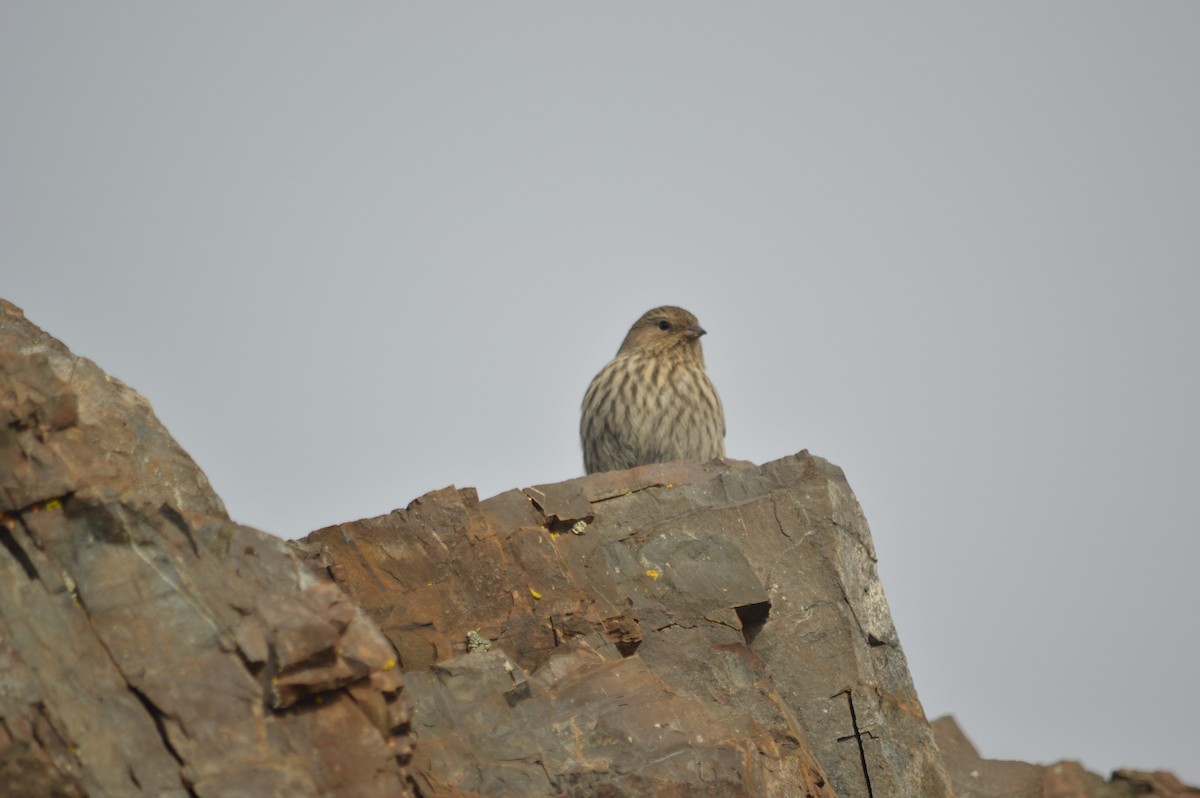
<point>664,325</point>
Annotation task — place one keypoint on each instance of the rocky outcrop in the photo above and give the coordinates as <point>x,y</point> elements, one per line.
<point>975,777</point>
<point>148,645</point>
<point>669,630</point>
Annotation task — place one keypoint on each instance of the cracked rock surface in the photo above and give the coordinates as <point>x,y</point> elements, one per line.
<point>148,645</point>
<point>675,629</point>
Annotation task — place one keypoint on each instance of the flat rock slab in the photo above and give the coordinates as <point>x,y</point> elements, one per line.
<point>678,629</point>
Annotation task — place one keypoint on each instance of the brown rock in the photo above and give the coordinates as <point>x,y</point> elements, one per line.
<point>975,777</point>
<point>1156,783</point>
<point>674,629</point>
<point>148,645</point>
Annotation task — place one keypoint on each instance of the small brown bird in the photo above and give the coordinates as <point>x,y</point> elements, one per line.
<point>653,403</point>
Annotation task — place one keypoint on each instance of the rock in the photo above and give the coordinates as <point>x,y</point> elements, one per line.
<point>673,629</point>
<point>1157,783</point>
<point>148,645</point>
<point>975,777</point>
<point>677,629</point>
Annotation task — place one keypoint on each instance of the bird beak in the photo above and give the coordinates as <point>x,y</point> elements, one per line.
<point>693,331</point>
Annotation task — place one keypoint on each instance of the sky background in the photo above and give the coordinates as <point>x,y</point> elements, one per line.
<point>355,252</point>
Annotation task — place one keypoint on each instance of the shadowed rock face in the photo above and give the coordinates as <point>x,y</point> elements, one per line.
<point>665,630</point>
<point>148,645</point>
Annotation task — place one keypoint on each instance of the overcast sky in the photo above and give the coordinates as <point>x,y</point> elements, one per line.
<point>355,252</point>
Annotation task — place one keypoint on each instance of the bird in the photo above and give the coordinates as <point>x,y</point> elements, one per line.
<point>653,402</point>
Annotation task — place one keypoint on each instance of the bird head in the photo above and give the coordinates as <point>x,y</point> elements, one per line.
<point>663,331</point>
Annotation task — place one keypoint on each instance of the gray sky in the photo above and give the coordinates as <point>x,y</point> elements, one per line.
<point>355,252</point>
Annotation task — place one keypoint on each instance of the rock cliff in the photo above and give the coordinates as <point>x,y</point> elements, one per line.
<point>671,630</point>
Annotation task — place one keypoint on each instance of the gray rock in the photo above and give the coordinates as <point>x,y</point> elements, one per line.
<point>148,645</point>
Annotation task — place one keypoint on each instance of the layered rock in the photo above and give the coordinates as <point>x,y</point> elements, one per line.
<point>148,645</point>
